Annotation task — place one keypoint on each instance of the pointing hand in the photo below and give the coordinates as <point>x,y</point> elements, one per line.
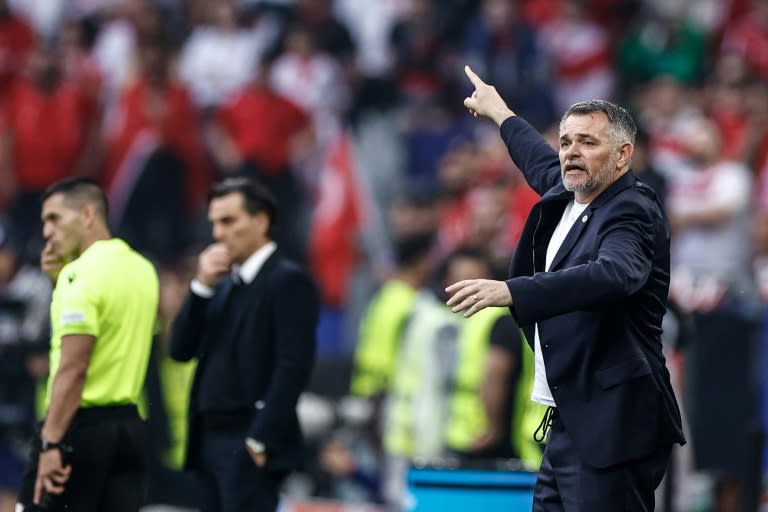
<point>485,100</point>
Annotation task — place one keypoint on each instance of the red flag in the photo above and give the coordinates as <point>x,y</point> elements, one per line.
<point>336,223</point>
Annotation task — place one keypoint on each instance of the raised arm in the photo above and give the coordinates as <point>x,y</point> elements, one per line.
<point>486,101</point>
<point>530,152</point>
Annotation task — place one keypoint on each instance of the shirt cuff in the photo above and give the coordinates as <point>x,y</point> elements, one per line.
<point>255,446</point>
<point>201,290</point>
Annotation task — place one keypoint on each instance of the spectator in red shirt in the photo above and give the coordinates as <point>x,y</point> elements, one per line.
<point>17,40</point>
<point>747,37</point>
<point>80,66</point>
<point>257,127</point>
<point>48,135</point>
<point>155,156</point>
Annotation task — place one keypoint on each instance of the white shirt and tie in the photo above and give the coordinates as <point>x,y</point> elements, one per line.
<point>244,273</point>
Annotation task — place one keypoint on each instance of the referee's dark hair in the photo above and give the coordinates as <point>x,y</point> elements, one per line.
<point>256,198</point>
<point>78,192</point>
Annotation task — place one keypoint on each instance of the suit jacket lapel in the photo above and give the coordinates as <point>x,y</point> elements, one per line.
<point>552,205</point>
<point>571,238</point>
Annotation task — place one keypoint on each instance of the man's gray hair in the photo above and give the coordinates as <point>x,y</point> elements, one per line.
<point>621,126</point>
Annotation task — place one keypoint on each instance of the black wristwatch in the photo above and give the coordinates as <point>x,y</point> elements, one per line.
<point>46,445</point>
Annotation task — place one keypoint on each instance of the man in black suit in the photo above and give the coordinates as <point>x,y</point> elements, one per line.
<point>250,319</point>
<point>588,284</point>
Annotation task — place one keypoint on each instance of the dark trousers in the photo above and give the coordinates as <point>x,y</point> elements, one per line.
<point>108,463</point>
<point>565,484</point>
<point>230,479</point>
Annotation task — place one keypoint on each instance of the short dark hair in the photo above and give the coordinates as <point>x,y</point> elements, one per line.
<point>256,198</point>
<point>410,249</point>
<point>621,125</point>
<point>462,252</point>
<point>81,191</point>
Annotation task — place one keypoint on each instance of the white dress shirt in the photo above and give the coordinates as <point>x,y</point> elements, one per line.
<point>541,392</point>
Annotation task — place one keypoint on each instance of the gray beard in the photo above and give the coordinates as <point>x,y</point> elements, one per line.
<point>581,187</point>
<point>587,186</point>
<point>592,182</point>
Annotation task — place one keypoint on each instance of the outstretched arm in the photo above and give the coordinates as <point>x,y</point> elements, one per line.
<point>532,155</point>
<point>486,100</point>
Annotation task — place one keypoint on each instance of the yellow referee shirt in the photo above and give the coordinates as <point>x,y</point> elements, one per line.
<point>109,292</point>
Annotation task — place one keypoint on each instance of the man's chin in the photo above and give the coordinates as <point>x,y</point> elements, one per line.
<point>576,186</point>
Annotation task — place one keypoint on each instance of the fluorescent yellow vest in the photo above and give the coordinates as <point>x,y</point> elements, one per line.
<point>416,407</point>
<point>379,340</point>
<point>468,419</point>
<point>455,421</point>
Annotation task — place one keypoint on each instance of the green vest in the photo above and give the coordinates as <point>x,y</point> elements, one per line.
<point>379,339</point>
<point>416,407</point>
<point>468,419</point>
<point>421,419</point>
<point>176,381</point>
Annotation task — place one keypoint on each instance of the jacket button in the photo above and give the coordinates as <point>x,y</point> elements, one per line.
<point>555,388</point>
<point>259,404</point>
<point>546,345</point>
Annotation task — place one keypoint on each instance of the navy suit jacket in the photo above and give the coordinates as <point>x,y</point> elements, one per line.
<point>273,354</point>
<point>599,308</point>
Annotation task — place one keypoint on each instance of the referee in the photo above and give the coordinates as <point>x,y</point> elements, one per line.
<point>90,452</point>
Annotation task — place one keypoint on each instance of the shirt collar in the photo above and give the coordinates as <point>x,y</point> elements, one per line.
<point>250,268</point>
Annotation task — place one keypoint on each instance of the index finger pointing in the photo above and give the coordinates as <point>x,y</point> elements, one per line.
<point>476,80</point>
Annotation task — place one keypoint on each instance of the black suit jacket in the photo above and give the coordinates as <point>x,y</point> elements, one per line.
<point>599,308</point>
<point>274,353</point>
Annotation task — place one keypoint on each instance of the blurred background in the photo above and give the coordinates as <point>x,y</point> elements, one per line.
<point>351,112</point>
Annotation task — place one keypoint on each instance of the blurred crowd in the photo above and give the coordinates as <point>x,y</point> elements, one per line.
<point>351,112</point>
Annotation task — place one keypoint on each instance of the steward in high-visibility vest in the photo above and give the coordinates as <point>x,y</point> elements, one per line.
<point>435,405</point>
<point>379,340</point>
<point>417,406</point>
<point>382,325</point>
<point>468,418</point>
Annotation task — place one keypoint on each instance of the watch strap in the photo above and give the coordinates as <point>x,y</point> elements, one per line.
<point>46,445</point>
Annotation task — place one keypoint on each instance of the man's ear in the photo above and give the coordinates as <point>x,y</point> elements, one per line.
<point>89,214</point>
<point>625,155</point>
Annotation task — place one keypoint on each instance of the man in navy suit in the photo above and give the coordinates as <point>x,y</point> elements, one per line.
<point>250,319</point>
<point>588,284</point>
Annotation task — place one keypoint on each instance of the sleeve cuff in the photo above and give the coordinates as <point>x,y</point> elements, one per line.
<point>512,123</point>
<point>254,445</point>
<point>201,290</point>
